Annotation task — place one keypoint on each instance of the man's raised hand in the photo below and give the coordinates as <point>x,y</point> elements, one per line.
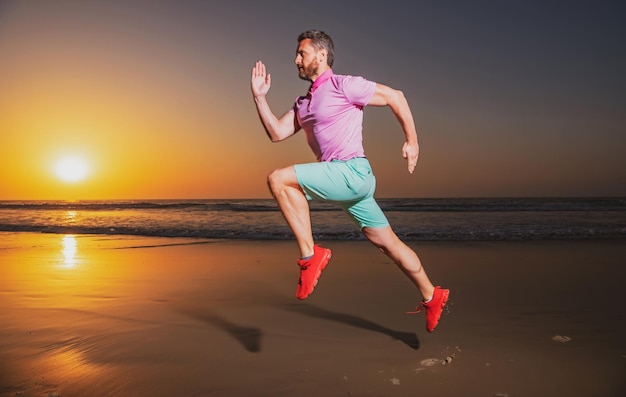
<point>260,81</point>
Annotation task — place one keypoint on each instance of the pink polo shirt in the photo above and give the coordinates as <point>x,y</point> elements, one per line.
<point>331,115</point>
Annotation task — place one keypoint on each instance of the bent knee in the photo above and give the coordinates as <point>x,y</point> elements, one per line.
<point>273,177</point>
<point>273,180</point>
<point>281,177</point>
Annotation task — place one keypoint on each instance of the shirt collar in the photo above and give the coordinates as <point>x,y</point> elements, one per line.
<point>321,79</point>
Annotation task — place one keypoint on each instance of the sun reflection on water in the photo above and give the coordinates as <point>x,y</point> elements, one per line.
<point>69,250</point>
<point>70,217</point>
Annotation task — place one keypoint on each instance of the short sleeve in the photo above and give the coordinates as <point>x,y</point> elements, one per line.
<point>357,89</point>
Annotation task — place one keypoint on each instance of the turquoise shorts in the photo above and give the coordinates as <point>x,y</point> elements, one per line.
<point>350,184</point>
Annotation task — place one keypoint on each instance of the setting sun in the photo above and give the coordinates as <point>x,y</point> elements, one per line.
<point>71,169</point>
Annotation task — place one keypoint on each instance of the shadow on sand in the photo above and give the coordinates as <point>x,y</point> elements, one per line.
<point>408,338</point>
<point>248,337</point>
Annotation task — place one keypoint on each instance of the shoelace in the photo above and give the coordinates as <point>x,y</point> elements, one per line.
<point>302,268</point>
<point>417,310</point>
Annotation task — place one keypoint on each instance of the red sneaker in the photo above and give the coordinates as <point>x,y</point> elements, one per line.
<point>433,308</point>
<point>311,270</point>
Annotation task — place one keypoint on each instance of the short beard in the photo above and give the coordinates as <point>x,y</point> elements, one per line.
<point>307,72</point>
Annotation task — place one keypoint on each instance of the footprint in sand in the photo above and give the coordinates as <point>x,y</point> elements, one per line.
<point>430,362</point>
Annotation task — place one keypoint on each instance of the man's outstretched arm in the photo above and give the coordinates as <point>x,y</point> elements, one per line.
<point>387,96</point>
<point>277,129</point>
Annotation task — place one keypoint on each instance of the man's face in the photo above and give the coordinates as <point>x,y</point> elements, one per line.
<point>307,60</point>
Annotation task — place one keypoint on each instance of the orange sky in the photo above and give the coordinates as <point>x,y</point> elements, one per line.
<point>155,96</point>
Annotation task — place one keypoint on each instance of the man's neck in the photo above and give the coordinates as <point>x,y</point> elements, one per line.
<point>321,71</point>
<point>319,80</point>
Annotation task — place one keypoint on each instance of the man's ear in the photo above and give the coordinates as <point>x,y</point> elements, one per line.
<point>322,55</point>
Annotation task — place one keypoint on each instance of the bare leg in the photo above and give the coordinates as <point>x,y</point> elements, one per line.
<point>405,258</point>
<point>294,206</point>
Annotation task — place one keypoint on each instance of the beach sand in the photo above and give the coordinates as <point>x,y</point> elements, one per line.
<point>132,316</point>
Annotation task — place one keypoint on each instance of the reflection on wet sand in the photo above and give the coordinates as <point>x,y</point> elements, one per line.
<point>69,250</point>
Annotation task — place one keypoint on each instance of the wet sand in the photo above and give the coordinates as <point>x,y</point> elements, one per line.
<point>131,316</point>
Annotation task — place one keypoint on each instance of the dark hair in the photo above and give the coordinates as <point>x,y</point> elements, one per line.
<point>320,40</point>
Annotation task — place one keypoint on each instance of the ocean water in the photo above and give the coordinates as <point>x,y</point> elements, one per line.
<point>412,219</point>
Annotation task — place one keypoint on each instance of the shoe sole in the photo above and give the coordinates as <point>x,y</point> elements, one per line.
<point>327,256</point>
<point>446,295</point>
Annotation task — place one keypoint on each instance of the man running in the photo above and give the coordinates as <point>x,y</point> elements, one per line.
<point>331,115</point>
